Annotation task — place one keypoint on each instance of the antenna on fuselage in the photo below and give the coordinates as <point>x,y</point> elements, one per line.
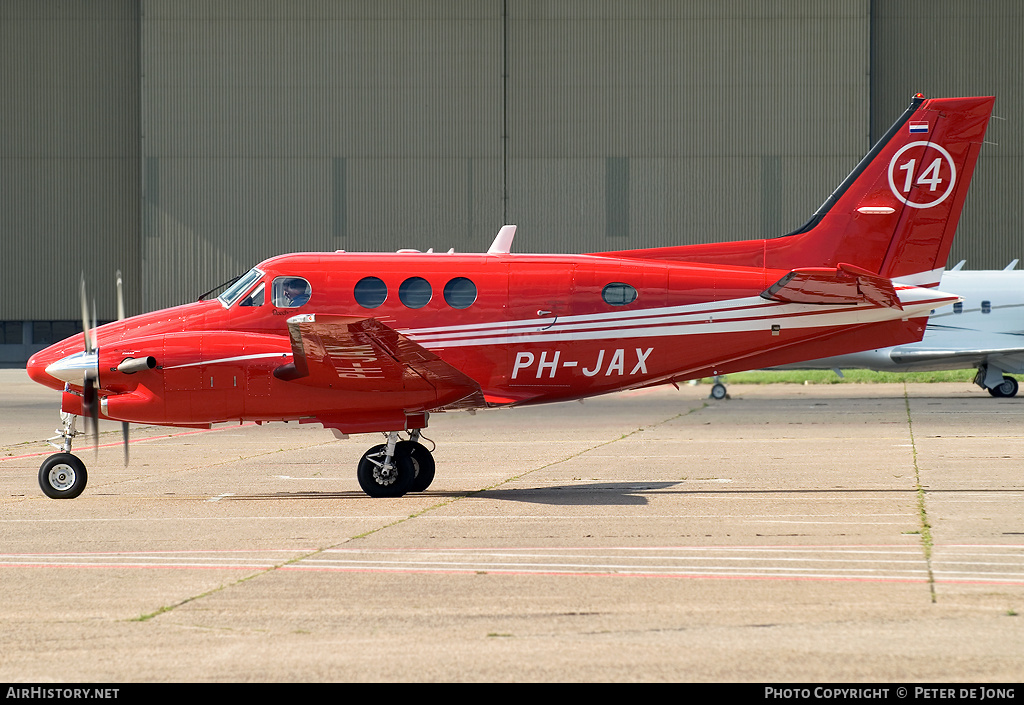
<point>502,244</point>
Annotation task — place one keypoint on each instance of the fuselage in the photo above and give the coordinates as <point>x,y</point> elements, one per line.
<point>525,328</point>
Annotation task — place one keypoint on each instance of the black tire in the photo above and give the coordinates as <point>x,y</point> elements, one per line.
<point>62,476</point>
<point>422,460</point>
<point>1008,388</point>
<point>396,484</point>
<point>718,391</point>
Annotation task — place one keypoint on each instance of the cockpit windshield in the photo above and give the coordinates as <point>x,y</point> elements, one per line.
<point>235,291</point>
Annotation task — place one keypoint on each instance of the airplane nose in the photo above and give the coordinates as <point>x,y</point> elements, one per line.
<point>52,367</point>
<point>36,368</point>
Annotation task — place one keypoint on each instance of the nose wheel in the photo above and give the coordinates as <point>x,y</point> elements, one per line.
<point>62,476</point>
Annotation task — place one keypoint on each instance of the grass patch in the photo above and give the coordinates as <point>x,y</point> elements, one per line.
<point>849,377</point>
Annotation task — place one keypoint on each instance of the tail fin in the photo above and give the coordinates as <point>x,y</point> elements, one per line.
<point>894,215</point>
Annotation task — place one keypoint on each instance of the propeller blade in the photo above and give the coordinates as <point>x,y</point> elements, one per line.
<point>91,408</point>
<point>85,317</point>
<point>93,331</point>
<point>91,375</point>
<point>124,434</point>
<point>120,297</point>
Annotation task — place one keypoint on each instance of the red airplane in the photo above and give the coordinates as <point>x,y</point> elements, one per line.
<point>376,342</point>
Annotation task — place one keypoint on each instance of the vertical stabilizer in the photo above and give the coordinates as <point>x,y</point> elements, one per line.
<point>896,213</point>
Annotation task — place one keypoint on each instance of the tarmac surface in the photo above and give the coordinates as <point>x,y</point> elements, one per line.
<point>828,533</point>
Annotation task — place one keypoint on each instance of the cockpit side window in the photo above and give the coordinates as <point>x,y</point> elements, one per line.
<point>291,292</point>
<point>244,283</point>
<point>256,298</point>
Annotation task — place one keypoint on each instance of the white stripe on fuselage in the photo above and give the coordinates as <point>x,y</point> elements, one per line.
<point>736,315</point>
<point>237,358</point>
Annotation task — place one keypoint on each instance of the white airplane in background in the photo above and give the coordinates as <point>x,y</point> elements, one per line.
<point>985,330</point>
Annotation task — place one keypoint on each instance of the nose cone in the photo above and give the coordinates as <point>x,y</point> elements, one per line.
<point>36,369</point>
<point>58,364</point>
<point>73,368</point>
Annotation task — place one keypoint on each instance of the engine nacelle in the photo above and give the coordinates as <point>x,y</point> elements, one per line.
<point>187,377</point>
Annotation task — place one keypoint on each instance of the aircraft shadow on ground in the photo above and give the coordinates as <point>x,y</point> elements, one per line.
<point>606,493</point>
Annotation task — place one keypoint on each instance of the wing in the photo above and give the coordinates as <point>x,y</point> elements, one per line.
<point>845,284</point>
<point>951,347</point>
<point>363,354</point>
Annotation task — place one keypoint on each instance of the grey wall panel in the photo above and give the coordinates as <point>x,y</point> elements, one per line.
<point>423,203</point>
<point>184,141</point>
<point>956,48</point>
<point>734,119</point>
<point>68,156</point>
<point>326,125</point>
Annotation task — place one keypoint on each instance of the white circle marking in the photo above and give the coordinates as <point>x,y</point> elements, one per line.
<point>952,172</point>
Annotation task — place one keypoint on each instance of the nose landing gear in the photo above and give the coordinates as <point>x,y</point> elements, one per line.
<point>63,475</point>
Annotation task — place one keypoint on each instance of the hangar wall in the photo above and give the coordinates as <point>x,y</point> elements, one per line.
<point>69,161</point>
<point>183,141</point>
<point>952,47</point>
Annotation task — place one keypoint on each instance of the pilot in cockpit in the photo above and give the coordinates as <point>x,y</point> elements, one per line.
<point>296,292</point>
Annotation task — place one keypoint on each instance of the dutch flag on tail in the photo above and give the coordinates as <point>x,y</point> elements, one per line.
<point>918,128</point>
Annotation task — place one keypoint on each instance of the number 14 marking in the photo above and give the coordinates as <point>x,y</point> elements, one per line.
<point>929,177</point>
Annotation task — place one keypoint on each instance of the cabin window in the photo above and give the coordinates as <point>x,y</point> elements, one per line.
<point>290,292</point>
<point>986,307</point>
<point>415,292</point>
<point>958,307</point>
<point>618,294</point>
<point>256,298</point>
<point>370,292</point>
<point>460,293</point>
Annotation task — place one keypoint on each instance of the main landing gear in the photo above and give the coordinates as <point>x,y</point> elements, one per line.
<point>62,475</point>
<point>991,378</point>
<point>1006,388</point>
<point>394,468</point>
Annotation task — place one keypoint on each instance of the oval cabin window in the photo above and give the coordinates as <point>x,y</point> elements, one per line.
<point>460,292</point>
<point>415,292</point>
<point>370,292</point>
<point>618,294</point>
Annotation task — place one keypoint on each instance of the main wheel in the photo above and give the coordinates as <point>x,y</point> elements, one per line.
<point>1008,388</point>
<point>422,460</point>
<point>378,482</point>
<point>718,391</point>
<point>62,476</point>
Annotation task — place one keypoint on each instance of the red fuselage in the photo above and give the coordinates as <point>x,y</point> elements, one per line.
<point>526,329</point>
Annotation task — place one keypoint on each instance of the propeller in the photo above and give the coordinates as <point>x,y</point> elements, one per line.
<point>90,376</point>
<point>121,317</point>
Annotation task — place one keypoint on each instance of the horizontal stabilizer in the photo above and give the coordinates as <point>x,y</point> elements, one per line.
<point>844,284</point>
<point>349,353</point>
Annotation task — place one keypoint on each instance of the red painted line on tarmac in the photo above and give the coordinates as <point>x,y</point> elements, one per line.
<point>638,574</point>
<point>136,565</point>
<point>130,441</point>
<point>555,574</point>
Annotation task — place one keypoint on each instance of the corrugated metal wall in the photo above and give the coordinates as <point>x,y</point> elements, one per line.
<point>185,140</point>
<point>315,125</point>
<point>69,154</point>
<point>705,120</point>
<point>952,47</point>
